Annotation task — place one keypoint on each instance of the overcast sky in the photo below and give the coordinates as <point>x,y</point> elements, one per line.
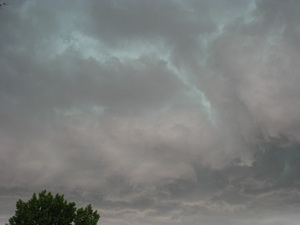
<point>157,112</point>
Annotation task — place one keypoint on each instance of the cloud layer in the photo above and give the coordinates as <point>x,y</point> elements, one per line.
<point>155,112</point>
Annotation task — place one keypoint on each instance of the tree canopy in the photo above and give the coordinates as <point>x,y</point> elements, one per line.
<point>46,209</point>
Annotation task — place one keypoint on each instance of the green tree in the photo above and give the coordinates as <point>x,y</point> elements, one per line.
<point>46,209</point>
<point>86,216</point>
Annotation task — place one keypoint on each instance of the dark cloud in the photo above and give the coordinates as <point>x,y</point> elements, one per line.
<point>156,112</point>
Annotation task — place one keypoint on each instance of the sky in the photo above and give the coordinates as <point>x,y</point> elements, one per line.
<point>160,112</point>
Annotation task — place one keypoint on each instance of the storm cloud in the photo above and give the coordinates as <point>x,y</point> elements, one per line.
<point>155,112</point>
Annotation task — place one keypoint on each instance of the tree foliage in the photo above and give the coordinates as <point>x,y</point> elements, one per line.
<point>46,209</point>
<point>86,216</point>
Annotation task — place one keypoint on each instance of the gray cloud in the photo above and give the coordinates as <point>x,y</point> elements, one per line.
<point>156,112</point>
